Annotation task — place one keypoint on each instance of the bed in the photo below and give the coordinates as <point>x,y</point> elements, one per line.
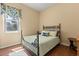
<point>40,44</point>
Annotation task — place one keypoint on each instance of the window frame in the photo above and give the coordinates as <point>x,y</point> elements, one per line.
<point>4,25</point>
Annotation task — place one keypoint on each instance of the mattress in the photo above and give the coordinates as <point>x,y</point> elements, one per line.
<point>45,43</point>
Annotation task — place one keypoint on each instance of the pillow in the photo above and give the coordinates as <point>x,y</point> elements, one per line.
<point>49,33</point>
<point>53,33</point>
<point>45,33</point>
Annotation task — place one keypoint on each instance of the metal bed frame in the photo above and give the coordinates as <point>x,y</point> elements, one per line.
<point>53,28</point>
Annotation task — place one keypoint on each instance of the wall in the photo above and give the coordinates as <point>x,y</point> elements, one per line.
<point>67,15</point>
<point>28,23</point>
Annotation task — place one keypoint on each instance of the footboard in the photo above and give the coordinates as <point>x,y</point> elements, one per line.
<point>35,50</point>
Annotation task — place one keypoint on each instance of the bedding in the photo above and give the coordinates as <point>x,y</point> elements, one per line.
<point>49,33</point>
<point>35,43</point>
<point>46,43</point>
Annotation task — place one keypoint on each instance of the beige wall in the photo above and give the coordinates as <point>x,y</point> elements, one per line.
<point>67,15</point>
<point>30,22</point>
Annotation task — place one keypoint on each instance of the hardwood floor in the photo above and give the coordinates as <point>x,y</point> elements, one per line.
<point>57,51</point>
<point>7,51</point>
<point>61,51</point>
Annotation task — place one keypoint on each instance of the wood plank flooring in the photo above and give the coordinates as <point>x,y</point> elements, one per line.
<point>59,50</point>
<point>8,50</point>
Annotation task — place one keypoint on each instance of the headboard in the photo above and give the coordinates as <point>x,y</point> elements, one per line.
<point>54,28</point>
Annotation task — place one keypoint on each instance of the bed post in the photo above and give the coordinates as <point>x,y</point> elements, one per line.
<point>21,36</point>
<point>43,27</point>
<point>60,31</point>
<point>38,43</point>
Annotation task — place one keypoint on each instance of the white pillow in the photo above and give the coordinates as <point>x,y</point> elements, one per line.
<point>53,33</point>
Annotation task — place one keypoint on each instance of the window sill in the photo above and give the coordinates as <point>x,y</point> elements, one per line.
<point>12,31</point>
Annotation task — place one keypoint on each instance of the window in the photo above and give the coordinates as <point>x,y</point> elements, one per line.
<point>11,24</point>
<point>11,18</point>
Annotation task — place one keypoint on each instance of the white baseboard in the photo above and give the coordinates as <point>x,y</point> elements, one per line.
<point>65,44</point>
<point>1,47</point>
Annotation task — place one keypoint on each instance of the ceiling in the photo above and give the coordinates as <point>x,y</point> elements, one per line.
<point>38,6</point>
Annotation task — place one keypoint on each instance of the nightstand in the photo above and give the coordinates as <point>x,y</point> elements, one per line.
<point>77,45</point>
<point>72,41</point>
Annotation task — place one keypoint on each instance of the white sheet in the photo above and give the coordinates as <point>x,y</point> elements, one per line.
<point>45,43</point>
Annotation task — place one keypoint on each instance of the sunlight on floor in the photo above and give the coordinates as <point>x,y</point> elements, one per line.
<point>19,51</point>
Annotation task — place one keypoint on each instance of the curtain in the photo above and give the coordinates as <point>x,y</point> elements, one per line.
<point>11,11</point>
